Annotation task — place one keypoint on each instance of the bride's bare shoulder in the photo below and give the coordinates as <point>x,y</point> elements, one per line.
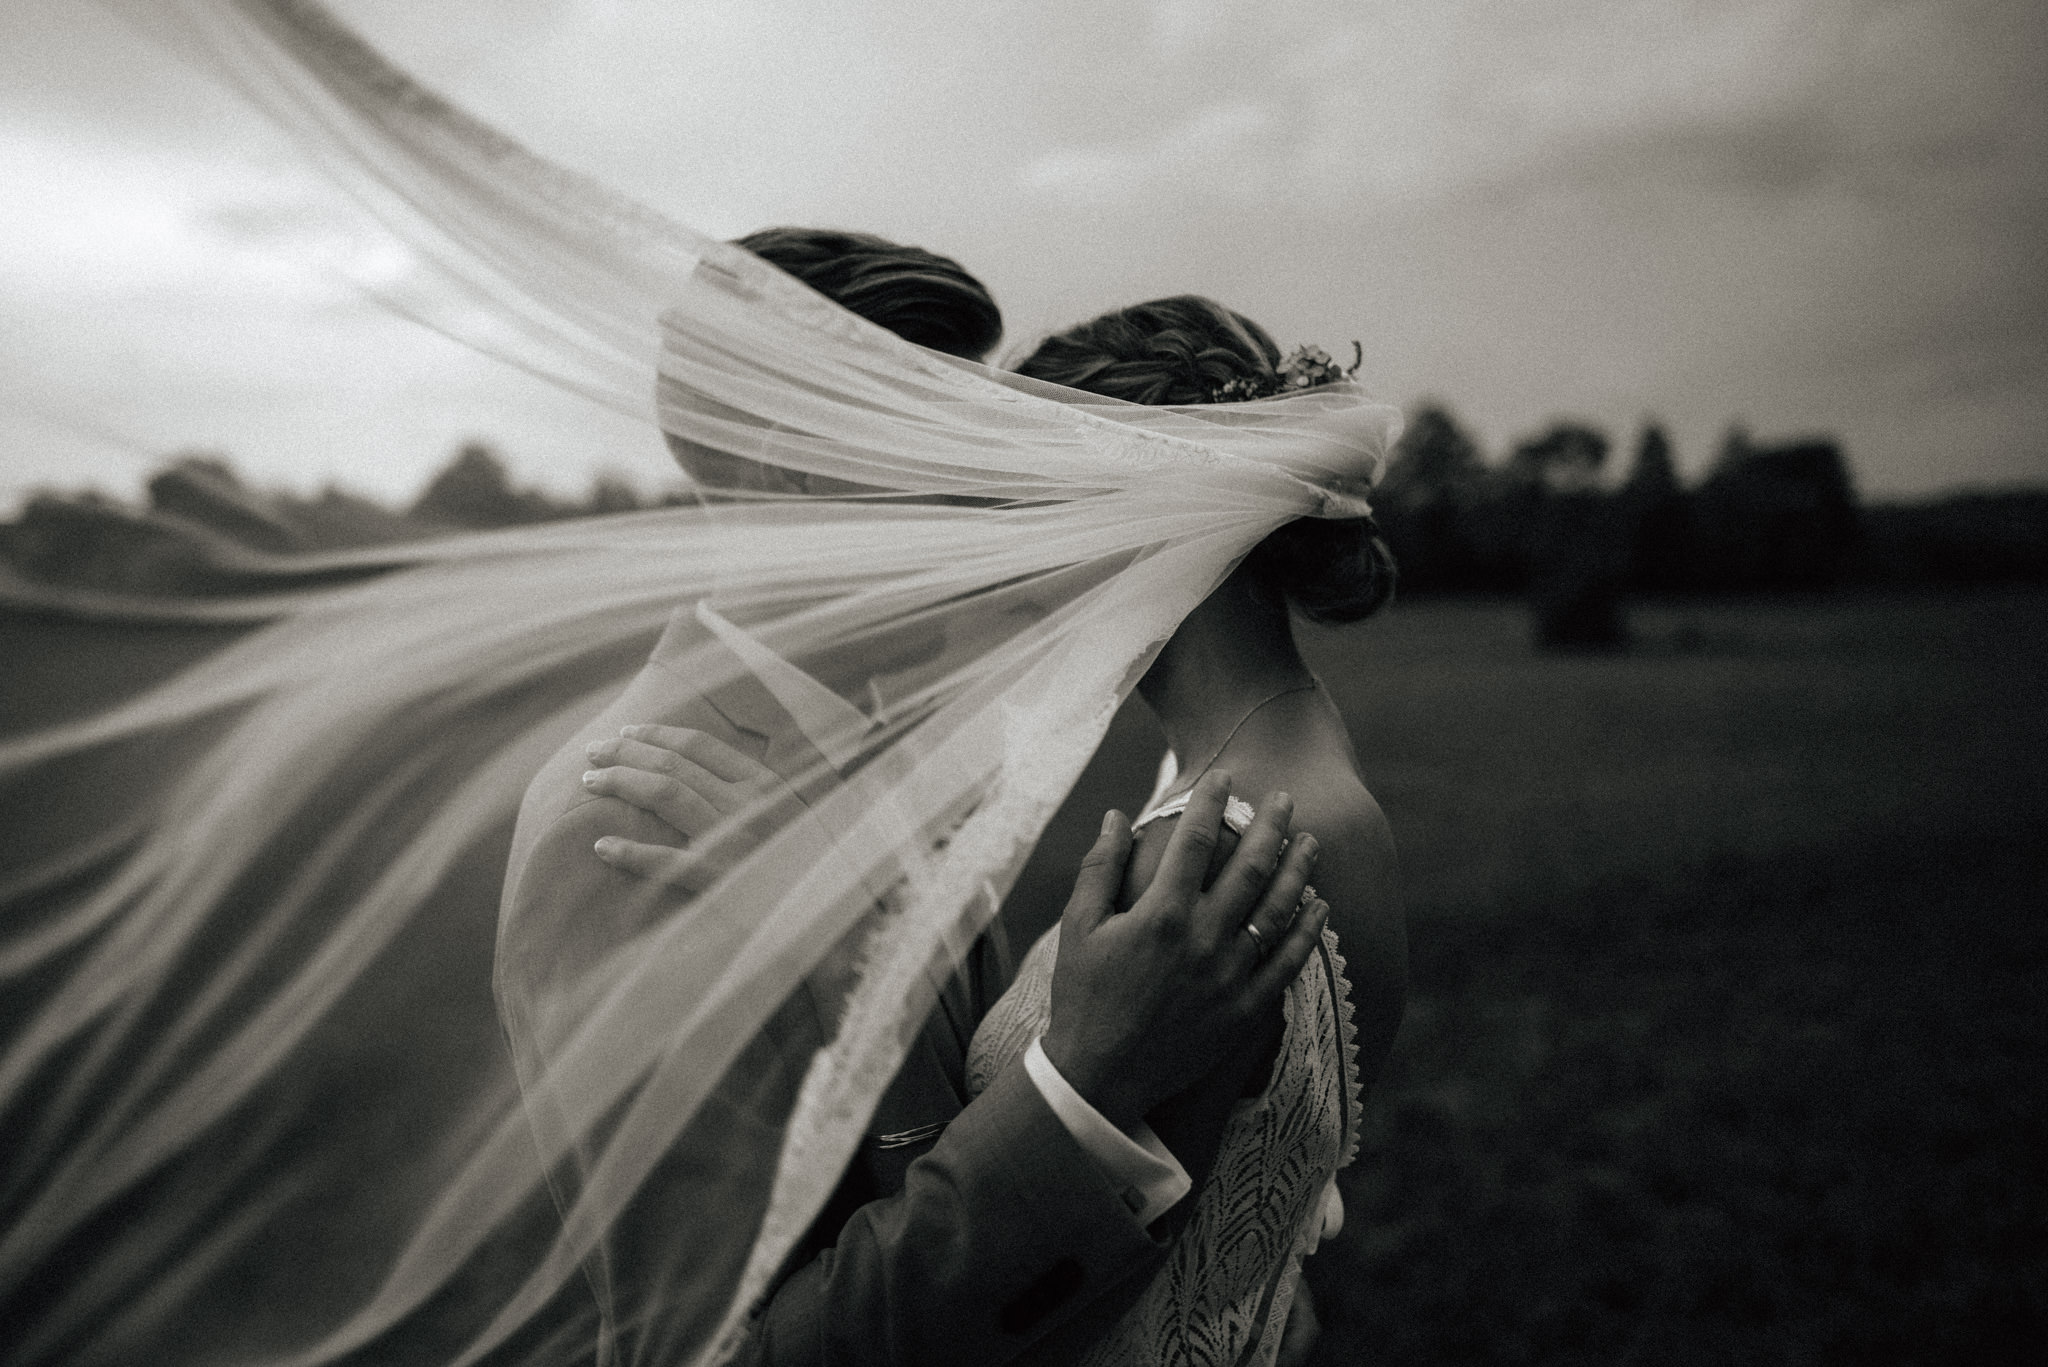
<point>1356,869</point>
<point>1358,874</point>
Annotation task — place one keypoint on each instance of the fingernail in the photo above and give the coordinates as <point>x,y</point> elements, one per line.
<point>590,778</point>
<point>631,732</point>
<point>1283,799</point>
<point>1108,821</point>
<point>595,748</point>
<point>603,845</point>
<point>1311,849</point>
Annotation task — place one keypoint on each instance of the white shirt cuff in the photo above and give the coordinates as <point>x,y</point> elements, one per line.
<point>1147,1178</point>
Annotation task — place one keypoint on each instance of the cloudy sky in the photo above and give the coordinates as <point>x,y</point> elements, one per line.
<point>1803,215</point>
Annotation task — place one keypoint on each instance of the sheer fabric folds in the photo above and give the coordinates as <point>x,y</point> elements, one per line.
<point>280,1083</point>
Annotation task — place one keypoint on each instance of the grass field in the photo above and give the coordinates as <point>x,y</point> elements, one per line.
<point>1728,1038</point>
<point>1728,1028</point>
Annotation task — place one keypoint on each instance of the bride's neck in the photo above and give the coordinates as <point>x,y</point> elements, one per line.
<point>1233,652</point>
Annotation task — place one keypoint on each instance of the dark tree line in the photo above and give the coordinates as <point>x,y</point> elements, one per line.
<point>1547,521</point>
<point>1766,517</point>
<point>475,490</point>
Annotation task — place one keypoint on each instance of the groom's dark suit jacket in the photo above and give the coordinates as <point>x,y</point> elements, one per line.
<point>971,1232</point>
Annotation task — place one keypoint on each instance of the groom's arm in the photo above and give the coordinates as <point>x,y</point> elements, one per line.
<point>1008,1221</point>
<point>1008,1230</point>
<point>1005,1237</point>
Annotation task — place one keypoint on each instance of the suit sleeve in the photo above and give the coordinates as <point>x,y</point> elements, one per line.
<point>1005,1233</point>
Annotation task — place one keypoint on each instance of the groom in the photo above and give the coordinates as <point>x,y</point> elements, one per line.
<point>1015,1225</point>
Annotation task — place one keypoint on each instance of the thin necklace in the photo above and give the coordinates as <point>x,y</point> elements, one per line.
<point>1250,712</point>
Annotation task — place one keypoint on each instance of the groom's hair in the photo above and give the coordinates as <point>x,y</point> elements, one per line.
<point>920,296</point>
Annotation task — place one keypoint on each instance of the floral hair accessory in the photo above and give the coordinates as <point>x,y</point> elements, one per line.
<point>1304,368</point>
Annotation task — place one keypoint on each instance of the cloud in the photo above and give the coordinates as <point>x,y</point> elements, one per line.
<point>1218,148</point>
<point>83,216</point>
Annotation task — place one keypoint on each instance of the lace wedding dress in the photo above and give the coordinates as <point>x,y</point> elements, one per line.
<point>1223,1296</point>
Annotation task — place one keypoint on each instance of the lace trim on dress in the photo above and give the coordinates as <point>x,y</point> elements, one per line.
<point>1237,813</point>
<point>1223,1296</point>
<point>1347,1035</point>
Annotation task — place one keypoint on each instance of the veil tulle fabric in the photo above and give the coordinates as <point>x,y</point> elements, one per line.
<point>254,1096</point>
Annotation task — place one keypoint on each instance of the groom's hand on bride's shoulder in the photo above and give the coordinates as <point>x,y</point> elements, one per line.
<point>1145,1003</point>
<point>721,802</point>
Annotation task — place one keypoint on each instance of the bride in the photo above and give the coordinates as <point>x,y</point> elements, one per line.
<point>251,1091</point>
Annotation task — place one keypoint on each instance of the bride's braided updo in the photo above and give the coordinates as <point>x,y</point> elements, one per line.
<point>1189,350</point>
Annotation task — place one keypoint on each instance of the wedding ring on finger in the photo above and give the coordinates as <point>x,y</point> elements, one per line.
<point>1258,940</point>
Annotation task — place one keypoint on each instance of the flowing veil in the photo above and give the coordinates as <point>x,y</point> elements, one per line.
<point>254,1094</point>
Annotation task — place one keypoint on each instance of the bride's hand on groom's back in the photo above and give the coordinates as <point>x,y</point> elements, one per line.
<point>721,802</point>
<point>1147,1002</point>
